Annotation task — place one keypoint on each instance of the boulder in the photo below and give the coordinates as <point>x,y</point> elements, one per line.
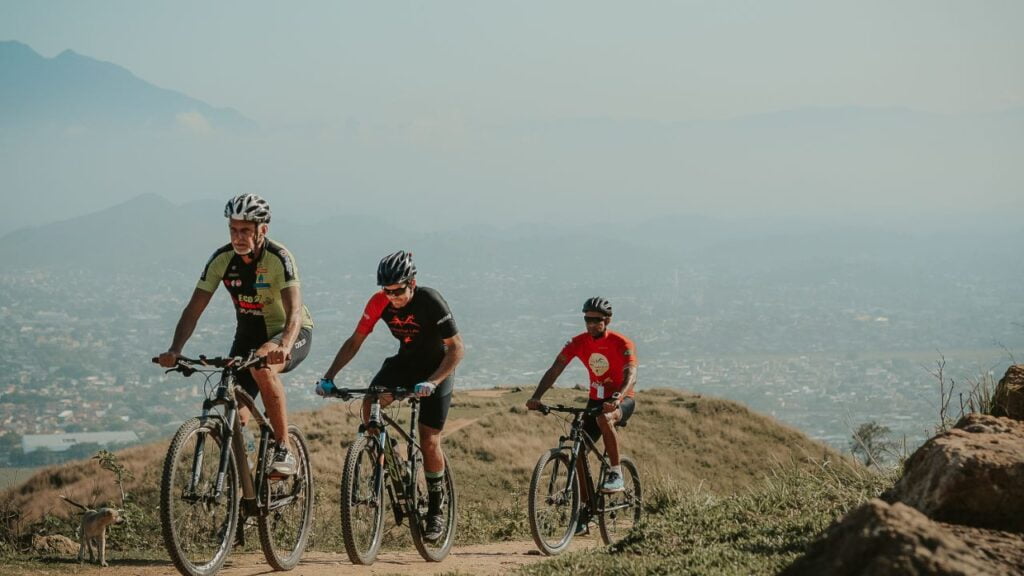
<point>879,539</point>
<point>54,545</point>
<point>1008,399</point>
<point>972,475</point>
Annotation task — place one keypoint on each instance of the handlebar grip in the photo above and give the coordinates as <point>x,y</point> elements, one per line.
<point>155,360</point>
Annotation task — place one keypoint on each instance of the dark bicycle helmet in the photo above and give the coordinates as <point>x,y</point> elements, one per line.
<point>598,304</point>
<point>249,207</point>
<point>395,268</point>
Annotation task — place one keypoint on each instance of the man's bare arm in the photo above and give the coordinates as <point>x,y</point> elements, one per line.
<point>454,350</point>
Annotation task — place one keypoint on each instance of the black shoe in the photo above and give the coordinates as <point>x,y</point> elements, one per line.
<point>435,527</point>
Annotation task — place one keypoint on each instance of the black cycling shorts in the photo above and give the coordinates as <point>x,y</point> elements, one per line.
<point>590,425</point>
<point>242,346</point>
<point>434,408</point>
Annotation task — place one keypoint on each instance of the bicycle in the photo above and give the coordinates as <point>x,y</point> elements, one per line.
<point>206,463</point>
<point>554,502</point>
<point>374,465</point>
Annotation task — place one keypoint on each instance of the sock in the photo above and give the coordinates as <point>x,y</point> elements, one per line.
<point>435,491</point>
<point>616,469</point>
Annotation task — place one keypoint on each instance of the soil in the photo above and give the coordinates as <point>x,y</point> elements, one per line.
<point>482,559</point>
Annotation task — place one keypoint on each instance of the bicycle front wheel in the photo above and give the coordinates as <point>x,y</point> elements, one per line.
<point>362,500</point>
<point>618,512</point>
<point>433,550</point>
<point>284,529</point>
<point>553,504</point>
<point>198,520</point>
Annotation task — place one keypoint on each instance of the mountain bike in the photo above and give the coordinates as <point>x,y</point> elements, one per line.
<point>374,465</point>
<point>555,501</point>
<point>206,464</point>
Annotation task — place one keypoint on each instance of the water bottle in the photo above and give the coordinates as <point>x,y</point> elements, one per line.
<point>250,447</point>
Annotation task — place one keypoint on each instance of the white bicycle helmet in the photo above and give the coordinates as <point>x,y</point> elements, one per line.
<point>248,207</point>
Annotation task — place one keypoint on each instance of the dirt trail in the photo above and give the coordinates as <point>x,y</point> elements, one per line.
<point>481,559</point>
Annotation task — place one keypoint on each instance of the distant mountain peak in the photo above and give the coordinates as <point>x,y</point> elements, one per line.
<point>75,90</point>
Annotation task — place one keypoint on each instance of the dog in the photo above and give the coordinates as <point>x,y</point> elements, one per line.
<point>93,530</point>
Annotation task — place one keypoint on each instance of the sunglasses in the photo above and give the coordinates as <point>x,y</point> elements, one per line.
<point>395,291</point>
<point>595,319</point>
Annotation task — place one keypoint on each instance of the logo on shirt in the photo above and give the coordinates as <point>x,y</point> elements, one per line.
<point>409,320</point>
<point>261,282</point>
<point>598,364</point>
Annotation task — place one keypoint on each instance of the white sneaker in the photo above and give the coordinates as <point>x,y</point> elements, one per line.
<point>284,461</point>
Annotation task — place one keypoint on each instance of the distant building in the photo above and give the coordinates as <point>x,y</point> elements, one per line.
<point>61,442</point>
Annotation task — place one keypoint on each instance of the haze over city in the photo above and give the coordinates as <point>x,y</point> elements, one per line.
<point>799,206</point>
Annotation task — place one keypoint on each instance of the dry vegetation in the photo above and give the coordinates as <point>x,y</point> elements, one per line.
<point>691,442</point>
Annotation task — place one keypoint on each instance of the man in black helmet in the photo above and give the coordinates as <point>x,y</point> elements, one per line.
<point>429,349</point>
<point>610,358</point>
<point>262,279</point>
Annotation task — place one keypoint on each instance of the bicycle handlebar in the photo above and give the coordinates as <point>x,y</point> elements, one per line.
<point>189,366</point>
<point>349,393</point>
<point>547,409</point>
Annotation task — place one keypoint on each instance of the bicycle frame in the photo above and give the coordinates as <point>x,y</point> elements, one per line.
<point>399,471</point>
<point>230,398</point>
<point>579,444</point>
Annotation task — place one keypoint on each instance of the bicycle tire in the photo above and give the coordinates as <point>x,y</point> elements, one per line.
<point>198,534</point>
<point>553,505</point>
<point>284,529</point>
<point>362,501</point>
<point>437,550</point>
<point>618,512</point>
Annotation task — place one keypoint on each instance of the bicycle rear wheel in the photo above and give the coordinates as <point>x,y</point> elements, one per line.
<point>284,529</point>
<point>362,501</point>
<point>553,504</point>
<point>197,522</point>
<point>437,550</point>
<point>618,512</point>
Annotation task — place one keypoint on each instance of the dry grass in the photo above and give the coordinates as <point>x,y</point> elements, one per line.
<point>691,441</point>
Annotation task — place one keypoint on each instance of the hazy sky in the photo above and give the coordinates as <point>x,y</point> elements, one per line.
<point>466,112</point>
<point>495,61</point>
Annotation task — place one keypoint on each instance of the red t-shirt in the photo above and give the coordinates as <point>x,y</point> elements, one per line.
<point>605,359</point>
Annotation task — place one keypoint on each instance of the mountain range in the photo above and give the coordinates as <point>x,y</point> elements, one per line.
<point>72,92</point>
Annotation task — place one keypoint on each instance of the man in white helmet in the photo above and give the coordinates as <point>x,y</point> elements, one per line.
<point>263,281</point>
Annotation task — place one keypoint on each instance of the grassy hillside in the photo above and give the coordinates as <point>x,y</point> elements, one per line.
<point>684,444</point>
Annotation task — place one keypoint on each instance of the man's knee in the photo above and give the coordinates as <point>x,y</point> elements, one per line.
<point>607,421</point>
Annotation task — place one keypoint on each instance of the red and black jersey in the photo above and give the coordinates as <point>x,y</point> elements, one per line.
<point>420,326</point>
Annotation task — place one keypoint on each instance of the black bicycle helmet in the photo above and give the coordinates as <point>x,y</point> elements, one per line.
<point>598,304</point>
<point>395,268</point>
<point>249,207</point>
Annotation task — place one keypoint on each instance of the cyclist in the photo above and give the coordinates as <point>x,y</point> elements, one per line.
<point>429,349</point>
<point>611,362</point>
<point>263,281</point>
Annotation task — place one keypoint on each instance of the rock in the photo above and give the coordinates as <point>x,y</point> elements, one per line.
<point>1008,399</point>
<point>972,475</point>
<point>54,545</point>
<point>879,539</point>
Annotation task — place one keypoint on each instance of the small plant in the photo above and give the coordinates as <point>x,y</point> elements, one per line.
<point>871,443</point>
<point>108,461</point>
<point>977,400</point>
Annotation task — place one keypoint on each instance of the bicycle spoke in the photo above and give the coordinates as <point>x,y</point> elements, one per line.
<point>198,522</point>
<point>362,506</point>
<point>553,503</point>
<point>285,528</point>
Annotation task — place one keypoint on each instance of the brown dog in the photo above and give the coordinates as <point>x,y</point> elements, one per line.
<point>93,530</point>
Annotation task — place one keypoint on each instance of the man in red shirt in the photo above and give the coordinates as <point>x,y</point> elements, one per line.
<point>611,362</point>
